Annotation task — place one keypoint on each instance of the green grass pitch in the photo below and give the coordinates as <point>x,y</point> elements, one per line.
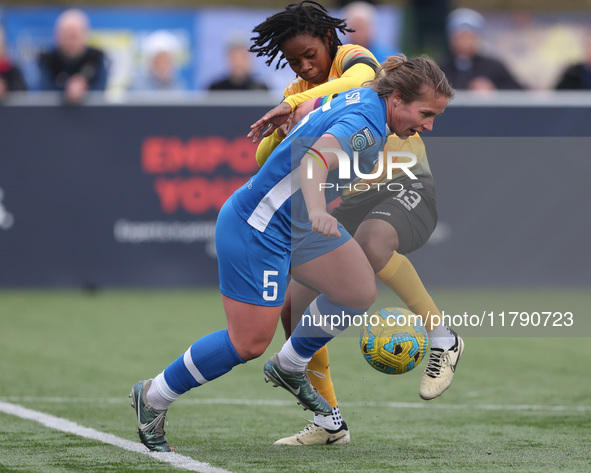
<point>516,405</point>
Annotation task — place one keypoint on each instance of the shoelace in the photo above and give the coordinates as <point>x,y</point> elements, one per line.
<point>307,429</point>
<point>318,374</point>
<point>156,427</point>
<point>436,362</point>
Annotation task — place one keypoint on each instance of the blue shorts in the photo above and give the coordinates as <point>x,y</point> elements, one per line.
<point>253,266</point>
<point>311,245</point>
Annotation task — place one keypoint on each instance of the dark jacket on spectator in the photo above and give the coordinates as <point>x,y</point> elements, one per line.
<point>575,77</point>
<point>248,83</point>
<point>490,68</point>
<point>56,69</point>
<point>12,76</point>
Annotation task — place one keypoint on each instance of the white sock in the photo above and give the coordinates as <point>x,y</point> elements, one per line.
<point>442,337</point>
<point>290,360</point>
<point>160,396</point>
<point>330,422</point>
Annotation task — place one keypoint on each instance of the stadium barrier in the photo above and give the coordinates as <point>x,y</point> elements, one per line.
<point>124,192</point>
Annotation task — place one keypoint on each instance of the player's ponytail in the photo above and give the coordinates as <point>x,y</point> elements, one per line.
<point>393,62</point>
<point>408,77</point>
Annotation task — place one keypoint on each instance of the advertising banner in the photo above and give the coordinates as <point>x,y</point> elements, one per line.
<point>117,195</point>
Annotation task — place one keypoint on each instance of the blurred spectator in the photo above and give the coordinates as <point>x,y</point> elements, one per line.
<point>466,67</point>
<point>239,70</point>
<point>11,78</point>
<point>72,66</point>
<point>361,17</point>
<point>161,49</point>
<point>578,76</point>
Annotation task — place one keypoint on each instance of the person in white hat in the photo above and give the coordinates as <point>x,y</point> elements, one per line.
<point>162,49</point>
<point>467,67</point>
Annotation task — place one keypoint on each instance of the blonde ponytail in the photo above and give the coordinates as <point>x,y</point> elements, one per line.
<point>393,62</point>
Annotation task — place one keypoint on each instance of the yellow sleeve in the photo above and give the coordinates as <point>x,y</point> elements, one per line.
<point>266,147</point>
<point>353,77</point>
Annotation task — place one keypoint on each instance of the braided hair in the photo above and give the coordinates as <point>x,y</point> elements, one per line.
<point>306,17</point>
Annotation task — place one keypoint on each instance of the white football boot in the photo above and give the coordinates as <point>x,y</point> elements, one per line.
<point>440,369</point>
<point>315,435</point>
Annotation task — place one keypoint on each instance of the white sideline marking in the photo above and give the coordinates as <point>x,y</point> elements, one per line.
<point>65,425</point>
<point>283,403</point>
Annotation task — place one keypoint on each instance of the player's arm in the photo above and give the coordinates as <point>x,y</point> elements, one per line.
<point>266,147</point>
<point>322,222</point>
<point>268,144</point>
<point>354,77</point>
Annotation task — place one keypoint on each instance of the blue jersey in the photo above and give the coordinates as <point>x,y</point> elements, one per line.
<point>272,201</point>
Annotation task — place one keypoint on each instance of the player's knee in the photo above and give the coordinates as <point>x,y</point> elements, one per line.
<point>378,249</point>
<point>362,295</point>
<point>370,294</point>
<point>365,299</point>
<point>253,350</point>
<point>252,346</point>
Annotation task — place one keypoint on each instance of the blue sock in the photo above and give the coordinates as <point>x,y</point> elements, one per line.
<point>322,321</point>
<point>208,358</point>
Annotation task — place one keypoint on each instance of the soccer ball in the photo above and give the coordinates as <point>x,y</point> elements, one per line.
<point>394,341</point>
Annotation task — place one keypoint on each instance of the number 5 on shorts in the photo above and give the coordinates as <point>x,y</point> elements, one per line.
<point>270,284</point>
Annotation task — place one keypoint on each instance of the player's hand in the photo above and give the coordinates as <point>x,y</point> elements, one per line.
<point>303,109</point>
<point>324,223</point>
<point>273,119</point>
<point>284,129</point>
<point>300,112</point>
